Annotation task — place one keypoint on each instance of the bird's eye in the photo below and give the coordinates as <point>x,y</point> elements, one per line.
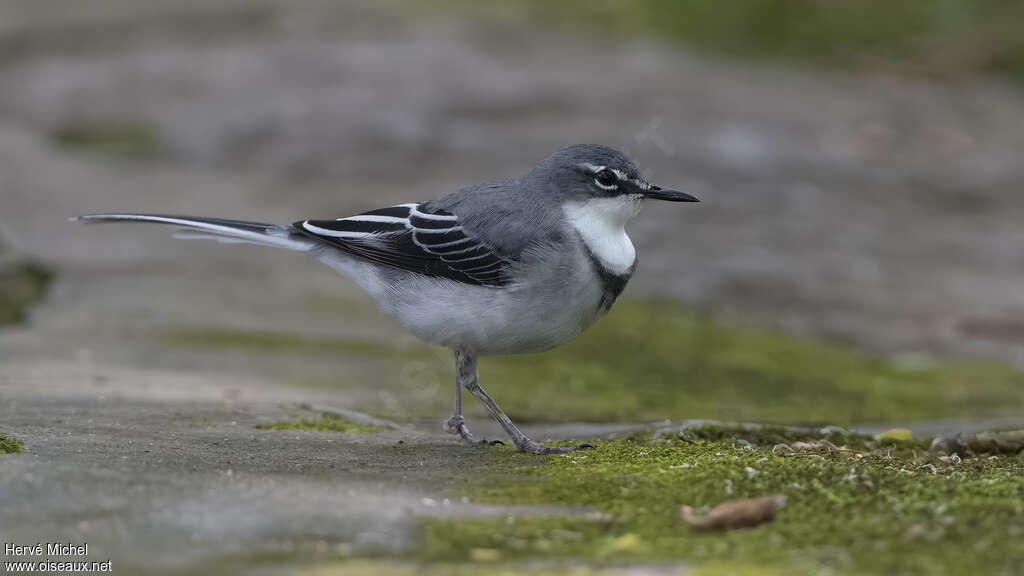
<point>606,177</point>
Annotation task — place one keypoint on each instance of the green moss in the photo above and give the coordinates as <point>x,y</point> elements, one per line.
<point>325,423</point>
<point>21,284</point>
<point>727,568</point>
<point>361,566</point>
<point>10,445</point>
<point>941,37</point>
<point>902,512</point>
<point>122,139</point>
<point>651,360</point>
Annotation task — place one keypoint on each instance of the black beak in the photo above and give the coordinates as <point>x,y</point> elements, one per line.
<point>659,193</point>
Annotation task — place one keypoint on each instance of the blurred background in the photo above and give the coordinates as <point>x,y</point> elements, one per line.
<point>857,258</point>
<point>859,162</point>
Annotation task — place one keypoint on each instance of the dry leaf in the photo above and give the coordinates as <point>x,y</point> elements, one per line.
<point>735,514</point>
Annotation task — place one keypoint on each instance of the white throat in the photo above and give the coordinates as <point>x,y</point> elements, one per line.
<point>601,222</point>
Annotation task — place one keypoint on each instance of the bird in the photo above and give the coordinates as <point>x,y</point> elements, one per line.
<point>507,267</point>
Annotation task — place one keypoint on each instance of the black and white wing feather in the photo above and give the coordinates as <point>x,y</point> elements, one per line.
<point>408,237</point>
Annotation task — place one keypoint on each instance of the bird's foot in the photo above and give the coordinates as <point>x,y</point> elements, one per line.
<point>531,447</point>
<point>457,425</point>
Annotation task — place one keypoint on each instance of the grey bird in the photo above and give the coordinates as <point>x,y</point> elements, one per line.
<point>499,268</point>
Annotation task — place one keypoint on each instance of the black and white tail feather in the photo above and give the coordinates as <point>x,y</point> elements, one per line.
<point>405,237</point>
<point>220,229</point>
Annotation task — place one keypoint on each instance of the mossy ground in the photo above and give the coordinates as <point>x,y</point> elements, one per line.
<point>325,423</point>
<point>360,567</point>
<point>21,284</point>
<point>893,508</point>
<point>10,445</point>
<point>899,510</point>
<point>652,360</point>
<point>132,140</point>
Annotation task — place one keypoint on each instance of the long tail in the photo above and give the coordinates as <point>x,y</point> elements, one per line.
<point>228,231</point>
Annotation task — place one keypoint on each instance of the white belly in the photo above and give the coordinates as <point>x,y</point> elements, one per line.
<point>555,305</point>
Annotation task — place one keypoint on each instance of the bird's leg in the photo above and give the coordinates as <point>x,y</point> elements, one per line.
<point>465,373</point>
<point>457,424</point>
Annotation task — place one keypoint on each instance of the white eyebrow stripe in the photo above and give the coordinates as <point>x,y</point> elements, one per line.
<point>375,218</point>
<point>640,184</point>
<point>621,175</point>
<point>333,233</point>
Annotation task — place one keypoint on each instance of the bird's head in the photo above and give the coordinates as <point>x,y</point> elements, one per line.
<point>593,172</point>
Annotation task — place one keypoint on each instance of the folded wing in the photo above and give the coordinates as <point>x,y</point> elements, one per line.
<point>432,243</point>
